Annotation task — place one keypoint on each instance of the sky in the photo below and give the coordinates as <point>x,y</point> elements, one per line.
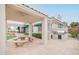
<point>68,12</point>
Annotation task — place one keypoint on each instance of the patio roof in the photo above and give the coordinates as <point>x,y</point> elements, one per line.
<point>23,13</point>
<point>36,10</point>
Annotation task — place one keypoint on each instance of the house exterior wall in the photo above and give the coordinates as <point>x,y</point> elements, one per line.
<point>35,29</point>
<point>55,36</point>
<point>65,36</point>
<point>78,36</point>
<point>55,26</point>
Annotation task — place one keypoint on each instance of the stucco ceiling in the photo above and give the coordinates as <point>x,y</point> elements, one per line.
<point>19,14</point>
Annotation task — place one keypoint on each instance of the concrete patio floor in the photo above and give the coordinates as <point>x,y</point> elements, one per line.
<point>57,47</point>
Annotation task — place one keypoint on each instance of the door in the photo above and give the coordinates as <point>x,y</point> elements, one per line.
<point>59,36</point>
<point>51,36</point>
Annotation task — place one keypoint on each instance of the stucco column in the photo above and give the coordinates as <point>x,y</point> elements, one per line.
<point>45,30</point>
<point>21,29</point>
<point>2,29</point>
<point>30,29</point>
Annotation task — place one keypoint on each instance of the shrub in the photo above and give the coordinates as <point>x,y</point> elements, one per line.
<point>26,33</point>
<point>73,32</point>
<point>37,35</point>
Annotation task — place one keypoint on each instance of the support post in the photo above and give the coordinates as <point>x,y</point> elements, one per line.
<point>30,30</point>
<point>45,30</point>
<point>2,29</point>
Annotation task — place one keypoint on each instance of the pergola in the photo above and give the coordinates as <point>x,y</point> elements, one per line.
<point>21,13</point>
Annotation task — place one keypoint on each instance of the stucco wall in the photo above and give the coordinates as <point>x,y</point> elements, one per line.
<point>55,36</point>
<point>54,25</point>
<point>2,29</point>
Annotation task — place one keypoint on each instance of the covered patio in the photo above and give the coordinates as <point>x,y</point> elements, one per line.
<point>26,14</point>
<point>21,13</point>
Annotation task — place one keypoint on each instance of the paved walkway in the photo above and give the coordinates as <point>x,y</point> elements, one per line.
<point>52,47</point>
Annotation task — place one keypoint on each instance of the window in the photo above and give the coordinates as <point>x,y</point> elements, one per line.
<point>49,27</point>
<point>60,25</point>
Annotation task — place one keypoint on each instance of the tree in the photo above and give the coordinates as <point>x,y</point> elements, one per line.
<point>74,24</point>
<point>65,23</point>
